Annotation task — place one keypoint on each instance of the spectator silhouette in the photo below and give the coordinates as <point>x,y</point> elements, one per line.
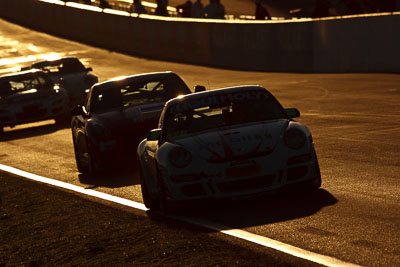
<point>215,10</point>
<point>354,7</point>
<point>220,10</point>
<point>371,6</point>
<point>104,4</point>
<point>161,9</point>
<point>321,9</point>
<point>197,10</point>
<point>375,6</point>
<point>388,6</point>
<point>209,10</point>
<point>261,12</point>
<point>137,7</point>
<point>185,9</point>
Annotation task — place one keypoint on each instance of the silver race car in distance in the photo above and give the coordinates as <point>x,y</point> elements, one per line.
<point>118,115</point>
<point>71,74</point>
<point>30,96</point>
<point>226,143</point>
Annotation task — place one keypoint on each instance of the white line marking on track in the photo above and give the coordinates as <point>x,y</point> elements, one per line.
<point>257,239</point>
<point>75,188</point>
<point>270,243</point>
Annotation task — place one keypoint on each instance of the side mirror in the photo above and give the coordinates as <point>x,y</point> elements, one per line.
<point>79,111</point>
<point>292,112</point>
<point>89,69</point>
<point>199,88</point>
<point>154,135</point>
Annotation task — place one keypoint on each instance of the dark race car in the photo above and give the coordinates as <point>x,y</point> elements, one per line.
<point>30,96</point>
<point>71,73</point>
<point>118,114</point>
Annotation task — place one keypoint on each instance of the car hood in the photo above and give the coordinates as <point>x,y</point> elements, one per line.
<point>69,81</point>
<point>129,116</point>
<point>236,143</point>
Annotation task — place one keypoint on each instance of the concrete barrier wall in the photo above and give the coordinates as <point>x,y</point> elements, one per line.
<point>353,44</point>
<point>359,44</point>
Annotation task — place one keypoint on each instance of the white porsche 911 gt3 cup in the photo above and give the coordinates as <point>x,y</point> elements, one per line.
<point>225,143</point>
<point>30,96</point>
<point>71,74</point>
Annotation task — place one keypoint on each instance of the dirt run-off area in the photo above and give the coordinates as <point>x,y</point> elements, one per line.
<point>41,225</point>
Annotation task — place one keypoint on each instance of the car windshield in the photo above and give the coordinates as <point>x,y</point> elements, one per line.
<point>24,84</point>
<point>221,110</point>
<point>60,66</point>
<point>121,94</point>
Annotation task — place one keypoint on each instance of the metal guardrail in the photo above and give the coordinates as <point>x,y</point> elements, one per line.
<point>126,6</point>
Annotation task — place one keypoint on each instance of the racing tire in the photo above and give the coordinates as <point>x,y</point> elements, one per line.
<point>93,164</point>
<point>318,182</point>
<point>164,207</point>
<point>315,184</point>
<point>149,202</point>
<point>78,159</point>
<point>162,200</point>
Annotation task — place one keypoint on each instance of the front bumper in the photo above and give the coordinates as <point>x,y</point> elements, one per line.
<point>31,112</point>
<point>272,176</point>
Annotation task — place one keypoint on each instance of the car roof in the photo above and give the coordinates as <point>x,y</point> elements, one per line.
<point>225,90</point>
<point>45,63</point>
<point>130,78</point>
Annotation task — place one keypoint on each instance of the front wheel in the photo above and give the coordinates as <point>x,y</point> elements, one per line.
<point>78,157</point>
<point>162,200</point>
<point>93,164</point>
<point>164,206</point>
<point>318,181</point>
<point>149,202</point>
<point>314,184</point>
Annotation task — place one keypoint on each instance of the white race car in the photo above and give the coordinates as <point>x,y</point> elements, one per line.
<point>226,143</point>
<point>30,96</point>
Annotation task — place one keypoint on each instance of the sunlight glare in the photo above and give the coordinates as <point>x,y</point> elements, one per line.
<point>50,56</point>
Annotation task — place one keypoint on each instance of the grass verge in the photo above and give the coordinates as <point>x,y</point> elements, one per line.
<point>43,225</point>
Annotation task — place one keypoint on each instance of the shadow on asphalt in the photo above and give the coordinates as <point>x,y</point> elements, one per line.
<point>237,214</point>
<point>120,175</point>
<point>33,131</point>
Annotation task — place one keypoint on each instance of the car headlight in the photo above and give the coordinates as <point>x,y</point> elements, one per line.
<point>295,139</point>
<point>179,157</point>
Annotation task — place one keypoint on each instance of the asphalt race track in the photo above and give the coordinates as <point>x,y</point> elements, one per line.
<point>354,119</point>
